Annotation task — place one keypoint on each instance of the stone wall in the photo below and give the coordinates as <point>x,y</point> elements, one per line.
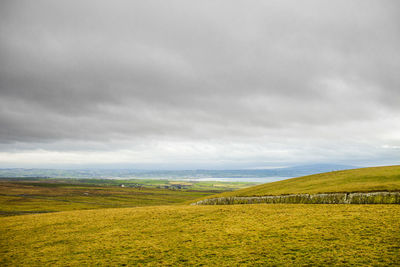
<point>326,198</point>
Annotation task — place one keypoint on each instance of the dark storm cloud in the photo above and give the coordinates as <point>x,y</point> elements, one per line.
<point>102,71</point>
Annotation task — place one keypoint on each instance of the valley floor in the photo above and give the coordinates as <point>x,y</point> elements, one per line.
<point>19,196</point>
<point>259,234</point>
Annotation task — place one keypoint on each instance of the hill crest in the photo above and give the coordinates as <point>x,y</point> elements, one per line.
<point>369,179</point>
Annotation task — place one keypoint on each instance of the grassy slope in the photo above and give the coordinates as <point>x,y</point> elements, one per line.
<point>210,235</point>
<point>358,180</point>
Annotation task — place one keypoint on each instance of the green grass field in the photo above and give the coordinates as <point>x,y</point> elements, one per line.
<point>113,233</point>
<point>206,235</point>
<point>357,180</point>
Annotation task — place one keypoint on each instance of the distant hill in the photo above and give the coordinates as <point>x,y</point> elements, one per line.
<point>356,180</point>
<point>173,174</point>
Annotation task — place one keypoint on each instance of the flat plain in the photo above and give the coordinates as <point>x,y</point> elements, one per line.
<point>25,196</point>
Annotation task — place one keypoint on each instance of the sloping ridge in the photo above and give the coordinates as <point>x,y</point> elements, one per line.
<point>363,180</point>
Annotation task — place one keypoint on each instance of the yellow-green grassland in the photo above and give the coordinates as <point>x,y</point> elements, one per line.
<point>371,179</point>
<point>280,234</point>
<point>160,234</point>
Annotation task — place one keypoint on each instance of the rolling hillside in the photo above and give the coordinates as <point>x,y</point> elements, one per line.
<point>356,180</point>
<point>227,235</point>
<point>245,235</point>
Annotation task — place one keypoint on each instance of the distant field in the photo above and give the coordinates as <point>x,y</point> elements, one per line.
<point>24,196</point>
<point>210,235</point>
<point>357,180</point>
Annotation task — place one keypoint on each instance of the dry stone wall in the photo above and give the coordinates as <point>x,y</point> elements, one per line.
<point>326,198</point>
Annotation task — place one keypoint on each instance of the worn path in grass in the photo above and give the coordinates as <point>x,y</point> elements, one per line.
<point>261,234</point>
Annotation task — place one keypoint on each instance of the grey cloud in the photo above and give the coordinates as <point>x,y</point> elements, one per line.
<point>99,71</point>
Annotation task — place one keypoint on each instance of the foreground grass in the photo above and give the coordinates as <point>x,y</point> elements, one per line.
<point>212,235</point>
<point>358,180</point>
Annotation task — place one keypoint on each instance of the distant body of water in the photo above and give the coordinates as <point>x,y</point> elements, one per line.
<point>259,180</point>
<point>227,179</point>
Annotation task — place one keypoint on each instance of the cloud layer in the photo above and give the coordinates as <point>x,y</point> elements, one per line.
<point>199,83</point>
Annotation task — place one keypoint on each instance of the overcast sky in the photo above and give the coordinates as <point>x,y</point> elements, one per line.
<point>199,84</point>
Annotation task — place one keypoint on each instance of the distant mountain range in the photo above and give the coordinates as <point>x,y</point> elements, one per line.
<point>174,174</point>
